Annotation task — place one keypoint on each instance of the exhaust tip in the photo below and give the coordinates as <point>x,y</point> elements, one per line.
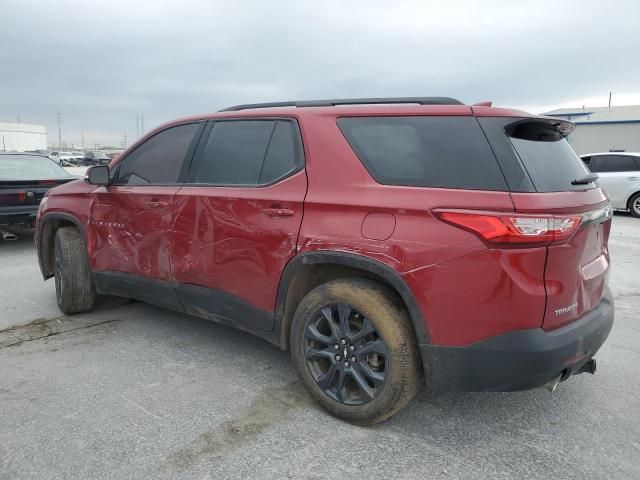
<point>553,384</point>
<point>9,237</point>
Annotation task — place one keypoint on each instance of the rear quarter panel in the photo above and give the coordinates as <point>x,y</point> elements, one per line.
<point>464,290</point>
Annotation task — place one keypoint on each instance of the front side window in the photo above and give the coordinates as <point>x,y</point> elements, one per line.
<point>158,160</point>
<point>614,163</point>
<point>247,153</point>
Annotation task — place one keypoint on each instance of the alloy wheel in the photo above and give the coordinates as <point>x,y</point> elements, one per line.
<point>345,354</point>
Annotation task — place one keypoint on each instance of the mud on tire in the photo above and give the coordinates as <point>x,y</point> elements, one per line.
<point>387,317</point>
<point>75,291</point>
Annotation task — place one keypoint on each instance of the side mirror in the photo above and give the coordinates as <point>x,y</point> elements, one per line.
<point>98,175</point>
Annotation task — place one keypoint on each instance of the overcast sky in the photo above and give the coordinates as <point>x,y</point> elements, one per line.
<point>101,62</point>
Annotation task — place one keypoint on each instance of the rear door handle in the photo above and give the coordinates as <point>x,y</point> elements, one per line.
<point>155,204</point>
<point>278,212</point>
<point>633,179</point>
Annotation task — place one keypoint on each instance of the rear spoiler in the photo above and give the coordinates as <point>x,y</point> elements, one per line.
<point>543,129</point>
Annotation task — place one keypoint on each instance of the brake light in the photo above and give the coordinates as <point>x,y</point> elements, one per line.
<point>514,229</point>
<point>22,196</point>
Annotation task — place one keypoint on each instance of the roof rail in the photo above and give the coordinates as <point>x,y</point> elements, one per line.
<point>348,101</point>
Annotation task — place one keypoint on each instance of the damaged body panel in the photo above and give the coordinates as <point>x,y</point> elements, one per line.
<point>450,210</point>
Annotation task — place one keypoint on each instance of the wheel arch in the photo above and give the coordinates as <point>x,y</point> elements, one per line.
<point>630,197</point>
<point>47,228</point>
<point>308,270</point>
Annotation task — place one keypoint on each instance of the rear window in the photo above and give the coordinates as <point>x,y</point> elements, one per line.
<point>27,167</point>
<point>547,157</point>
<point>445,152</point>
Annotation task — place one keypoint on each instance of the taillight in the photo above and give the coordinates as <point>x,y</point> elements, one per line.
<point>514,229</point>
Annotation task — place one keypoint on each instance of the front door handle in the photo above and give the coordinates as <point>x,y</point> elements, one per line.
<point>633,179</point>
<point>277,212</point>
<point>155,204</point>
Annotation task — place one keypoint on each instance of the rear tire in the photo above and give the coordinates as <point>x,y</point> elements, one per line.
<point>634,205</point>
<point>75,291</point>
<point>381,371</point>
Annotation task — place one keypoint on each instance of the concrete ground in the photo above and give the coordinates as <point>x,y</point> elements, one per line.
<point>135,391</point>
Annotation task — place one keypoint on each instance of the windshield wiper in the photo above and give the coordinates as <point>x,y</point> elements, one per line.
<point>592,177</point>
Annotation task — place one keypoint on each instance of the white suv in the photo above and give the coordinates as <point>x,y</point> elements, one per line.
<point>619,174</point>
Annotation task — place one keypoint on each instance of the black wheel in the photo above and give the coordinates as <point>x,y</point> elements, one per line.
<point>355,350</point>
<point>634,205</point>
<point>75,291</point>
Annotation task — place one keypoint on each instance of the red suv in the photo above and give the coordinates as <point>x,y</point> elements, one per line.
<point>380,240</point>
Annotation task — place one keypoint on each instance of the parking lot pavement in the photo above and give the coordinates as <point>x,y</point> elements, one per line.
<point>135,391</point>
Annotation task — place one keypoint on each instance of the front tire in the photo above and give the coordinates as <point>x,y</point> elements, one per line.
<point>75,291</point>
<point>634,205</point>
<point>355,350</point>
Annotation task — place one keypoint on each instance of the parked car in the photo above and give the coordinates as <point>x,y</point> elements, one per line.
<point>66,160</point>
<point>78,157</point>
<point>24,179</point>
<point>96,158</point>
<point>380,243</point>
<point>619,176</point>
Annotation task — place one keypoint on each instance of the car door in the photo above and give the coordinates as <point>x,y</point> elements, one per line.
<point>619,176</point>
<point>236,220</point>
<point>131,218</point>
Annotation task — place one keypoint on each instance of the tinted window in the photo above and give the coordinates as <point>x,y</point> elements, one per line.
<point>547,157</point>
<point>28,167</point>
<point>247,152</point>
<point>449,152</point>
<point>159,159</point>
<point>613,163</point>
<point>281,155</point>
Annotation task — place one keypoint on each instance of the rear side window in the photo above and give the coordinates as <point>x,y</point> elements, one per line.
<point>446,152</point>
<point>247,152</point>
<point>613,163</point>
<point>547,157</point>
<point>159,159</point>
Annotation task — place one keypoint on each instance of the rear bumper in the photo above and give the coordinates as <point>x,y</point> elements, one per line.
<point>18,214</point>
<point>519,360</point>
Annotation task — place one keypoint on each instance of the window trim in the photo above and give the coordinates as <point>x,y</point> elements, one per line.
<point>185,161</point>
<point>298,145</point>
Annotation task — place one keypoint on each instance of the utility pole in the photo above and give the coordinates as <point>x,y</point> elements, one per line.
<point>142,124</point>
<point>137,126</point>
<point>609,99</point>
<point>124,140</point>
<point>60,121</point>
<point>82,139</point>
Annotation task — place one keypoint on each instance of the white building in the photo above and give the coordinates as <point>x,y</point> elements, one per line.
<point>22,136</point>
<point>603,129</point>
